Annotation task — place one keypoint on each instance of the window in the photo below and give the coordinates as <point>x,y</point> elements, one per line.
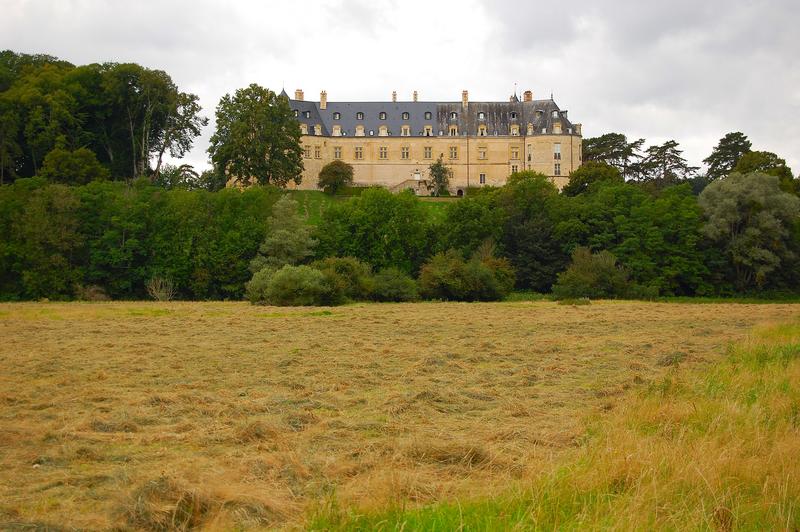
<point>371,132</point>
<point>428,115</point>
<point>530,128</point>
<point>307,152</point>
<point>555,114</point>
<point>307,114</point>
<point>481,116</point>
<point>337,116</point>
<point>404,151</point>
<point>304,129</point>
<point>382,115</point>
<point>482,154</point>
<point>337,130</point>
<point>317,129</point>
<point>481,130</point>
<point>427,152</point>
<point>529,153</point>
<point>515,153</point>
<point>337,152</point>
<point>296,113</point>
<point>428,131</point>
<point>359,131</point>
<point>316,152</point>
<point>513,115</point>
<point>514,168</point>
<point>557,169</point>
<point>406,116</point>
<point>453,131</point>
<point>514,130</point>
<point>405,131</point>
<point>453,152</point>
<point>557,151</point>
<point>482,178</point>
<point>453,116</point>
<point>359,153</point>
<point>382,131</point>
<point>544,131</point>
<point>383,152</point>
<point>359,116</point>
<point>557,128</point>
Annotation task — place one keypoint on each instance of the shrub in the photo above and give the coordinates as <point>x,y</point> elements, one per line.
<point>448,276</point>
<point>256,288</point>
<point>161,288</point>
<point>91,292</point>
<point>298,286</point>
<point>352,276</point>
<point>334,176</point>
<point>391,284</point>
<point>596,276</point>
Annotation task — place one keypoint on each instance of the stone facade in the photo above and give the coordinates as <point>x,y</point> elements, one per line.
<point>391,143</point>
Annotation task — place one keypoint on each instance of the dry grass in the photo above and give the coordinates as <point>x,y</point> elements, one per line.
<point>177,415</point>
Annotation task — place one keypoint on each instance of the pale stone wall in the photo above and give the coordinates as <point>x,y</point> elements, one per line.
<point>501,155</point>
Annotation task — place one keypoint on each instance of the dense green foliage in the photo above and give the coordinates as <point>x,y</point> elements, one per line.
<point>294,286</point>
<point>595,276</point>
<point>335,176</point>
<point>440,176</point>
<point>726,155</point>
<point>751,220</point>
<point>377,227</point>
<point>257,139</point>
<point>57,240</point>
<point>449,277</point>
<point>125,114</point>
<point>393,285</point>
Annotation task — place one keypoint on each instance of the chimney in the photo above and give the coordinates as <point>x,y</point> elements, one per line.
<point>577,129</point>
<point>527,96</point>
<point>394,96</point>
<point>464,98</point>
<point>323,100</point>
<point>415,96</point>
<point>298,95</point>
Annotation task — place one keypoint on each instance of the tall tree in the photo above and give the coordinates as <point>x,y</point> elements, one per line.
<point>588,173</point>
<point>664,165</point>
<point>615,150</point>
<point>726,154</point>
<point>182,125</point>
<point>751,219</point>
<point>768,163</point>
<point>440,176</point>
<point>257,138</point>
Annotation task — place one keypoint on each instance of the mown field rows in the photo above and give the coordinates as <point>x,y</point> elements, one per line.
<point>222,414</point>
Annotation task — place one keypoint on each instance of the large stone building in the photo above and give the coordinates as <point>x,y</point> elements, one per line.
<point>392,144</point>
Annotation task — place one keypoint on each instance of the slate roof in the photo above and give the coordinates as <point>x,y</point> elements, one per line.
<point>497,116</point>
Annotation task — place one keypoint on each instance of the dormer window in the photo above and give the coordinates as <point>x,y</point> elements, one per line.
<point>555,114</point>
<point>406,116</point>
<point>337,116</point>
<point>405,131</point>
<point>296,113</point>
<point>428,115</point>
<point>481,130</point>
<point>359,116</point>
<point>481,116</point>
<point>453,131</point>
<point>382,115</point>
<point>453,116</point>
<point>513,115</point>
<point>307,114</point>
<point>371,132</point>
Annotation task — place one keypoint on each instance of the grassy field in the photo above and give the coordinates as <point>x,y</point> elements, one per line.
<point>431,415</point>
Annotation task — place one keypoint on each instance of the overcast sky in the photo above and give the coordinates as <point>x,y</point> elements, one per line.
<point>688,70</point>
